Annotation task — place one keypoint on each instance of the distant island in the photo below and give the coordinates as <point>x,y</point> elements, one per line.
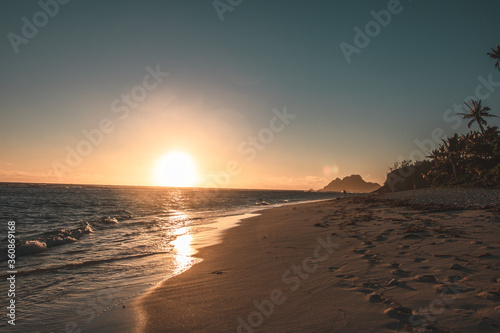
<point>353,183</point>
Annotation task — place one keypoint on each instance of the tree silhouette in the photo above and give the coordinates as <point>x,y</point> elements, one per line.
<point>471,159</point>
<point>436,155</point>
<point>495,54</point>
<point>477,114</point>
<point>452,149</point>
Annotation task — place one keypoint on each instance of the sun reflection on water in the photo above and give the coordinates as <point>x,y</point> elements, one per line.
<point>182,245</point>
<point>183,249</point>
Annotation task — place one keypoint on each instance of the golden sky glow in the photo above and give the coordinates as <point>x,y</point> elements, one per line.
<point>120,99</point>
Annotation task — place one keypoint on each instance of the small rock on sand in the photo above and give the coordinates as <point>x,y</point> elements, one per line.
<point>217,272</point>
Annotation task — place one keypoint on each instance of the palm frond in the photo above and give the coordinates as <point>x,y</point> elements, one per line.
<point>466,115</point>
<point>495,54</point>
<point>469,106</point>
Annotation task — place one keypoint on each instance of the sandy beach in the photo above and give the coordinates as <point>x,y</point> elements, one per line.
<point>250,166</point>
<point>365,264</point>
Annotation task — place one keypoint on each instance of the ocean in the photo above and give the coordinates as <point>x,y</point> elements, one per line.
<point>82,250</point>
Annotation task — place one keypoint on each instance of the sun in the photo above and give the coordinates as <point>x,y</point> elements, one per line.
<point>176,169</point>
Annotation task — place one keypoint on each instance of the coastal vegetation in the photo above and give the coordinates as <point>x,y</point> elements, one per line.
<point>462,160</point>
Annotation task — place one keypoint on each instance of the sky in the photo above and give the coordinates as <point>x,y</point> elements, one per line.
<point>259,94</point>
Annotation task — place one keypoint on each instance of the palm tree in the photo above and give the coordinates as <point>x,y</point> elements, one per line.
<point>435,156</point>
<point>452,150</point>
<point>495,54</point>
<point>478,112</point>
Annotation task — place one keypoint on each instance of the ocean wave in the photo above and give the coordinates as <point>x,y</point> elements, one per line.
<point>59,237</point>
<point>32,247</point>
<point>51,239</point>
<point>107,220</point>
<point>80,264</point>
<point>121,214</point>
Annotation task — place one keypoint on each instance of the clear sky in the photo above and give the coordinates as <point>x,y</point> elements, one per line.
<point>265,98</point>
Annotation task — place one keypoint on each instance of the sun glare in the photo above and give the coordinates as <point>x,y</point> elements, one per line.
<point>175,169</point>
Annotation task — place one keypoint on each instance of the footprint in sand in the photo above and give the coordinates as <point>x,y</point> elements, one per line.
<point>368,244</point>
<point>487,255</point>
<point>399,312</point>
<point>425,267</point>
<point>489,295</point>
<point>456,267</point>
<point>387,232</point>
<point>455,278</point>
<point>419,260</point>
<point>442,255</point>
<point>447,289</point>
<point>368,256</point>
<point>370,285</point>
<point>412,236</point>
<point>374,297</point>
<point>345,276</point>
<point>400,272</point>
<point>349,282</point>
<point>427,278</point>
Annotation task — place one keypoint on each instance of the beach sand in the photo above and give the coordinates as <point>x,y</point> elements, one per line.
<point>365,264</point>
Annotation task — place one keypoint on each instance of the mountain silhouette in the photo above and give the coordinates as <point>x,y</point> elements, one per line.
<point>353,183</point>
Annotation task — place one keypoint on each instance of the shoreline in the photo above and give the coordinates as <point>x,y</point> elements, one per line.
<point>209,271</point>
<point>282,271</point>
<point>274,278</point>
<point>129,318</point>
